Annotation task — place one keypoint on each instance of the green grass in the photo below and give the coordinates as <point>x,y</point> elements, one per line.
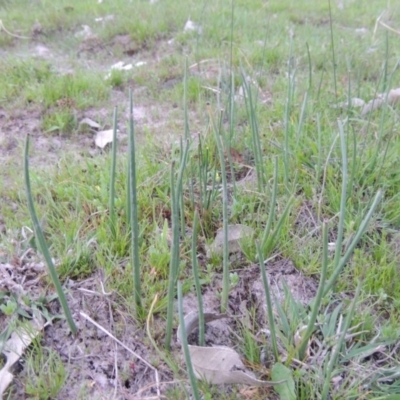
<point>281,55</point>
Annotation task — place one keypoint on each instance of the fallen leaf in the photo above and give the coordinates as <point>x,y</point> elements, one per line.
<point>119,66</point>
<point>105,19</point>
<point>85,33</point>
<point>191,26</point>
<point>15,347</point>
<point>235,234</point>
<point>354,102</point>
<point>372,105</point>
<point>140,63</point>
<point>361,31</point>
<point>392,98</point>
<point>218,365</point>
<point>103,138</point>
<point>221,365</point>
<point>89,122</point>
<point>285,389</point>
<point>192,322</point>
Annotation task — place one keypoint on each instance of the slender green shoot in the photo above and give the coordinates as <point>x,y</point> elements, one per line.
<point>309,67</point>
<point>319,296</point>
<point>272,205</point>
<point>270,237</point>
<point>195,267</point>
<point>176,200</point>
<point>338,346</point>
<point>271,322</point>
<point>42,243</point>
<point>185,101</point>
<point>179,187</point>
<point>343,199</point>
<point>333,50</point>
<point>112,177</point>
<point>189,366</point>
<point>232,123</point>
<point>133,205</point>
<point>360,231</point>
<point>288,107</point>
<point>385,65</point>
<point>302,118</point>
<point>173,268</point>
<point>340,261</point>
<point>255,134</point>
<point>225,216</point>
<point>128,196</point>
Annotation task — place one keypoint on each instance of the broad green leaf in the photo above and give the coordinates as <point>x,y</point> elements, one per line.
<point>286,390</point>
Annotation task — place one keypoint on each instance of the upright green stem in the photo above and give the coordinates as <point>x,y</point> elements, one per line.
<point>343,199</point>
<point>176,200</point>
<point>333,50</point>
<point>173,267</point>
<point>287,123</point>
<point>271,321</point>
<point>319,296</point>
<point>353,244</point>
<point>133,204</point>
<point>225,216</point>
<point>185,101</point>
<point>196,279</point>
<point>112,177</point>
<point>189,366</point>
<point>338,346</point>
<point>42,243</point>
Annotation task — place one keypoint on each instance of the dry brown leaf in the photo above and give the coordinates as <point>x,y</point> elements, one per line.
<point>90,123</point>
<point>222,365</point>
<point>235,234</point>
<point>103,138</point>
<point>218,365</point>
<point>15,347</point>
<point>192,322</point>
<point>392,98</point>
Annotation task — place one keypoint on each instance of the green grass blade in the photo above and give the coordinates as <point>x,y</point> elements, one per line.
<point>302,118</point>
<point>274,236</point>
<point>342,213</point>
<point>185,99</point>
<point>319,296</point>
<point>309,67</point>
<point>112,177</point>
<point>189,366</point>
<point>272,206</point>
<point>338,346</point>
<point>173,268</point>
<point>179,184</point>
<point>197,280</point>
<point>255,135</point>
<point>225,218</point>
<point>288,107</point>
<point>133,205</point>
<point>176,202</point>
<point>271,321</point>
<point>360,231</point>
<point>333,50</point>
<point>42,243</point>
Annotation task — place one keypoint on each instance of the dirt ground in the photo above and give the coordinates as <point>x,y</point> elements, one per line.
<point>97,366</point>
